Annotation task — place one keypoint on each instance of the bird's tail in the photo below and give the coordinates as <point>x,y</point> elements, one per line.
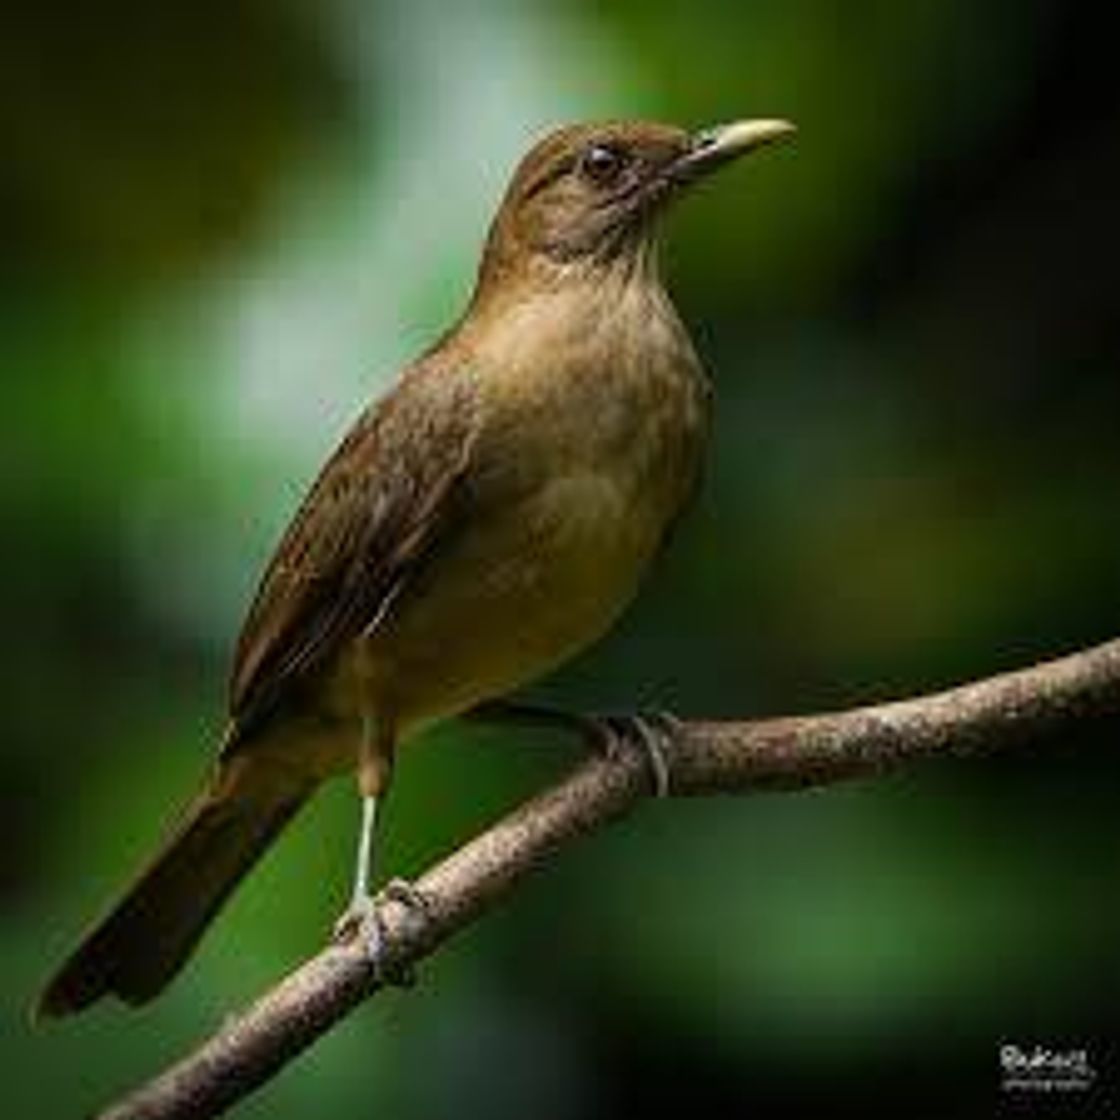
<point>135,950</point>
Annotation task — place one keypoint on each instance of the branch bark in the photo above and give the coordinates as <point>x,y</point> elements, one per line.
<point>702,758</point>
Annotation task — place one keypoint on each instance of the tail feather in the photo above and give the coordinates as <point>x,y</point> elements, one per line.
<point>136,949</point>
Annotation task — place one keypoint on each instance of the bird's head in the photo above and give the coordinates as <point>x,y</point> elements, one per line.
<point>588,193</point>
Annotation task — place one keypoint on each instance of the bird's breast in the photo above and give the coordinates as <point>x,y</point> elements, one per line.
<point>600,382</point>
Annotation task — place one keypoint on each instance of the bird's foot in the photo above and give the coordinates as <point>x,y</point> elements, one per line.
<point>360,918</point>
<point>649,731</point>
<point>363,918</point>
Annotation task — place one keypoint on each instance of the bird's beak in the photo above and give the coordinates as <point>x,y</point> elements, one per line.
<point>717,146</point>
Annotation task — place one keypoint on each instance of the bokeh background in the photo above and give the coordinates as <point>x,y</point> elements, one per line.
<point>226,225</point>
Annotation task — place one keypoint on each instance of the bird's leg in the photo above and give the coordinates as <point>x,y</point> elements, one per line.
<point>608,734</point>
<point>363,868</point>
<point>375,769</point>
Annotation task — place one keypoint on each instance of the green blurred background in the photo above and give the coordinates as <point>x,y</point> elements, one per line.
<point>226,225</point>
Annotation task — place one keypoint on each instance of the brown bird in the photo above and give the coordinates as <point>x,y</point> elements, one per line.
<point>489,517</point>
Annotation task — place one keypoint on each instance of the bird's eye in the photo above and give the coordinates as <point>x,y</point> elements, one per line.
<point>602,164</point>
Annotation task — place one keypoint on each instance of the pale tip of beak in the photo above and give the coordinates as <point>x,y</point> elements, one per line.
<point>742,136</point>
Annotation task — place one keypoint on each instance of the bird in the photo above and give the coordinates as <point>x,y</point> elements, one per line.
<point>486,519</point>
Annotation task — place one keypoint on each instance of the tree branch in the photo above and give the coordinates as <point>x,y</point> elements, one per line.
<point>703,758</point>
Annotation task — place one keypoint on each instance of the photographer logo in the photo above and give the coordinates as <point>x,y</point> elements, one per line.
<point>1042,1069</point>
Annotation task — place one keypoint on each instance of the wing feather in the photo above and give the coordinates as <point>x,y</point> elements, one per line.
<point>379,504</point>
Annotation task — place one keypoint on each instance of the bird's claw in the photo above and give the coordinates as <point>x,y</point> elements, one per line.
<point>363,918</point>
<point>409,896</point>
<point>350,923</point>
<point>647,730</point>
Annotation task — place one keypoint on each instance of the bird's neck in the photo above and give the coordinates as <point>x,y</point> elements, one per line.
<point>584,319</point>
<point>584,286</point>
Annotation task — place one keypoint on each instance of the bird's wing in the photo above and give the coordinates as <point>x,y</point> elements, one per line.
<point>373,513</point>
